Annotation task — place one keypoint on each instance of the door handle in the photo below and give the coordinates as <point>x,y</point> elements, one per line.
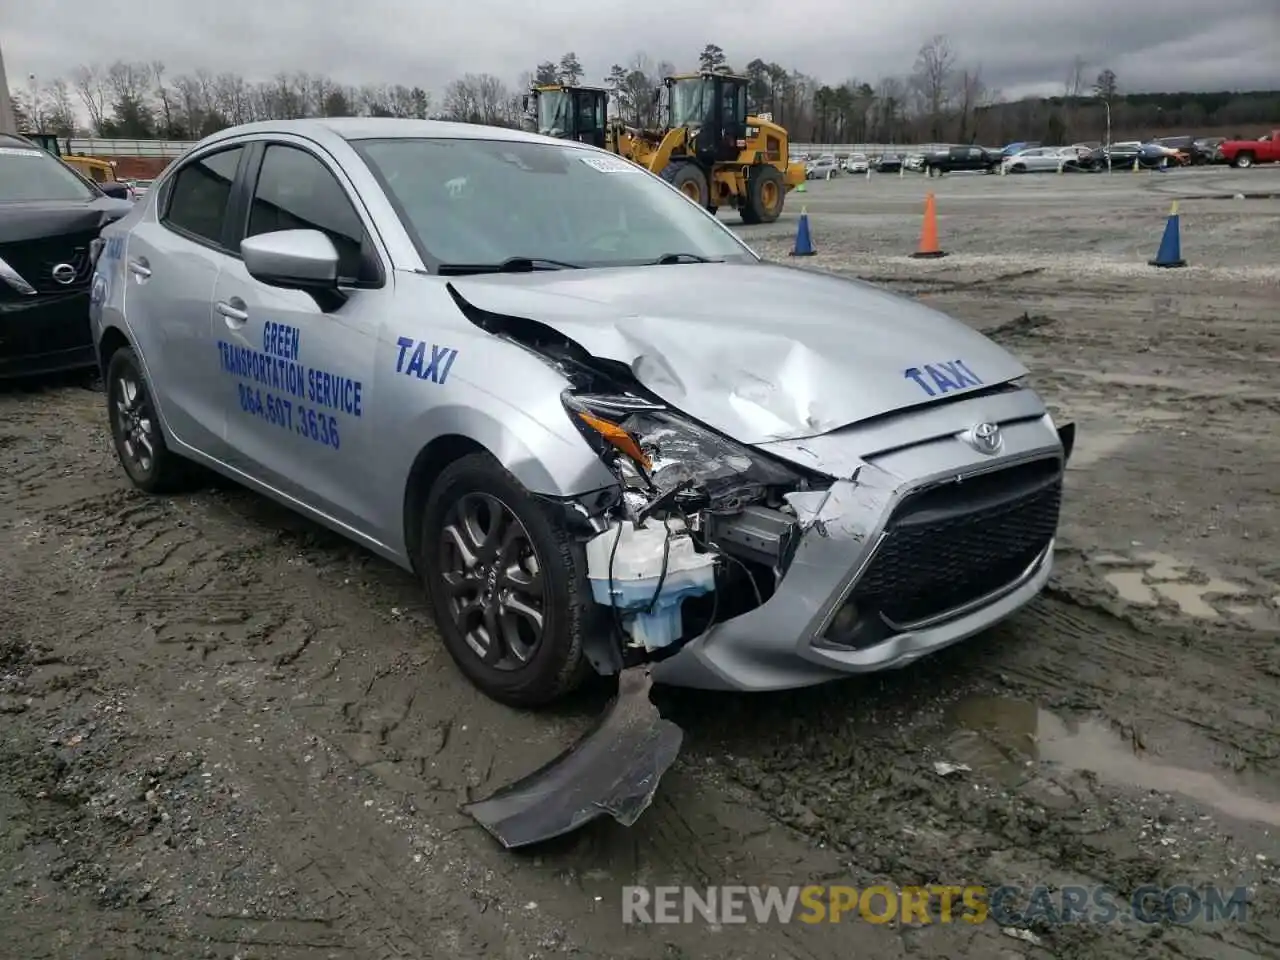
<point>140,268</point>
<point>233,310</point>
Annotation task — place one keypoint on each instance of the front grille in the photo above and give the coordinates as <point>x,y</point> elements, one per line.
<point>34,261</point>
<point>949,545</point>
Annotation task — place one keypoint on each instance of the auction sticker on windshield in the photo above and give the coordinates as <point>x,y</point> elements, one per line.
<point>20,152</point>
<point>610,164</point>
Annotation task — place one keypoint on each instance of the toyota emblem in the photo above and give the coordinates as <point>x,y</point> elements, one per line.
<point>64,273</point>
<point>986,438</point>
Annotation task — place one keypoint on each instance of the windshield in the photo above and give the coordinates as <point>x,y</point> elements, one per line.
<point>29,173</point>
<point>691,102</point>
<point>486,201</point>
<point>553,113</point>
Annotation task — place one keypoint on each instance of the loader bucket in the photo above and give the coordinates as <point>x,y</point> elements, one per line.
<point>614,769</point>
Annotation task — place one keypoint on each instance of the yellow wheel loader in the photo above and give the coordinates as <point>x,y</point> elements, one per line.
<point>712,151</point>
<point>570,113</point>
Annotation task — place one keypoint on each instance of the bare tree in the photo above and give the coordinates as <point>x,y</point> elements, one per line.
<point>61,117</point>
<point>935,64</point>
<point>91,86</point>
<point>1073,88</point>
<point>968,93</point>
<point>164,98</point>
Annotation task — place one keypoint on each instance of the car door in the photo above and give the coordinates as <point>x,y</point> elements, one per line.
<point>299,377</point>
<point>172,258</point>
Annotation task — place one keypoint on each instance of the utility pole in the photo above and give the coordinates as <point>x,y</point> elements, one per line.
<point>8,122</point>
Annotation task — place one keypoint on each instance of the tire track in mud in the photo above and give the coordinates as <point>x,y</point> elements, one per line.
<point>168,584</point>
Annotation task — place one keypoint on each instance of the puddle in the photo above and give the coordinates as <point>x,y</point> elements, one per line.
<point>1002,738</point>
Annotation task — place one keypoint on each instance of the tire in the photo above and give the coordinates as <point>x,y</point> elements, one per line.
<point>1244,160</point>
<point>688,178</point>
<point>1018,168</point>
<point>135,428</point>
<point>556,665</point>
<point>766,193</point>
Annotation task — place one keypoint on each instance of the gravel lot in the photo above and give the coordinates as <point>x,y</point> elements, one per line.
<point>226,733</point>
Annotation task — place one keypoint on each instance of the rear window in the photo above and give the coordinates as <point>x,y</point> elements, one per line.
<point>29,173</point>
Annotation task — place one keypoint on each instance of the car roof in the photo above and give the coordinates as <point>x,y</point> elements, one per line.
<point>374,128</point>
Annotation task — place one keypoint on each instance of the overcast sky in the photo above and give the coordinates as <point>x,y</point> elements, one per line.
<point>1023,46</point>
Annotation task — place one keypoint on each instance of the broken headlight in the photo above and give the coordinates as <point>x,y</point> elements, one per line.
<point>659,454</point>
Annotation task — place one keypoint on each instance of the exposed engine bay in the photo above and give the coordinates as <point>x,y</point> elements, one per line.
<point>699,529</point>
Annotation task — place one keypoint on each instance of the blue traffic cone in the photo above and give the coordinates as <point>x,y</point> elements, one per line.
<point>804,242</point>
<point>1170,252</point>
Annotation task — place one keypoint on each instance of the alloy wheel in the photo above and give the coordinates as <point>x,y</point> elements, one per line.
<point>493,579</point>
<point>135,422</point>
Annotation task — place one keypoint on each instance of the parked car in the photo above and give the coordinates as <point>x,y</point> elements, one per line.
<point>1191,151</point>
<point>913,161</point>
<point>858,163</point>
<point>1120,156</point>
<point>1246,153</point>
<point>961,158</point>
<point>1045,160</point>
<point>822,168</point>
<point>888,163</point>
<point>398,360</point>
<point>49,216</point>
<point>139,188</point>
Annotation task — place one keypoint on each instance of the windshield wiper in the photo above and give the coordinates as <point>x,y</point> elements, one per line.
<point>510,265</point>
<point>684,258</point>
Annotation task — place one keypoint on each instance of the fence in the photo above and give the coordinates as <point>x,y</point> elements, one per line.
<point>99,147</point>
<point>868,149</point>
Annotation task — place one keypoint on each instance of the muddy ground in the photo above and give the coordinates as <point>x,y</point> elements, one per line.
<point>226,733</point>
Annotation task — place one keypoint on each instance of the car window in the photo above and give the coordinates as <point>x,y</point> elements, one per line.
<point>296,191</point>
<point>201,191</point>
<point>472,201</point>
<point>29,173</point>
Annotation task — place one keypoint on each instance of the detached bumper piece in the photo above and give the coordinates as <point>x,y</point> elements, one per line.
<point>614,770</point>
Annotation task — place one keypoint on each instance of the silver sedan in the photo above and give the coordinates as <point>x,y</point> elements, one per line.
<point>601,430</point>
<point>1044,160</point>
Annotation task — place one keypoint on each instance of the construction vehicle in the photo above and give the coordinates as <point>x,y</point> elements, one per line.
<point>569,112</point>
<point>708,147</point>
<point>99,171</point>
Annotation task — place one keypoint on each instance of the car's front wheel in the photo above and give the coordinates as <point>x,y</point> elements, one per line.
<point>507,582</point>
<point>135,428</point>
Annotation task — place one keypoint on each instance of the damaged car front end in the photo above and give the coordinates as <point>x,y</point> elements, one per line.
<point>844,530</point>
<point>748,477</point>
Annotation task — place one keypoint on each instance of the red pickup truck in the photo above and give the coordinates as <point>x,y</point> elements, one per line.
<point>1245,153</point>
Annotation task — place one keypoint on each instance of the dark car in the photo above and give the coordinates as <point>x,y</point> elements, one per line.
<point>955,159</point>
<point>1120,156</point>
<point>49,217</point>
<point>889,163</point>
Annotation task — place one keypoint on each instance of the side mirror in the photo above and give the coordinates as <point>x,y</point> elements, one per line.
<point>303,260</point>
<point>114,188</point>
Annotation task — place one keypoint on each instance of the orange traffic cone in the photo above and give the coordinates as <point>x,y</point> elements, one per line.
<point>929,248</point>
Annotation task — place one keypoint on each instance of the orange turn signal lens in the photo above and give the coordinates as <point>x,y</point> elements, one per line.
<point>618,438</point>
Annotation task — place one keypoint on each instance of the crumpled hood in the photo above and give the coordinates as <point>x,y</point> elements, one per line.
<point>757,351</point>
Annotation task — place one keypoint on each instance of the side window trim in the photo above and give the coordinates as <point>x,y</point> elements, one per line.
<point>250,173</point>
<point>162,214</point>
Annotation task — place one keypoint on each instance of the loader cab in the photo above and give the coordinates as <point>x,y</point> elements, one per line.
<point>713,107</point>
<point>46,141</point>
<point>572,113</point>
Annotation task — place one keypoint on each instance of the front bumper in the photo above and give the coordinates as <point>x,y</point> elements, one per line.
<point>45,334</point>
<point>929,544</point>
